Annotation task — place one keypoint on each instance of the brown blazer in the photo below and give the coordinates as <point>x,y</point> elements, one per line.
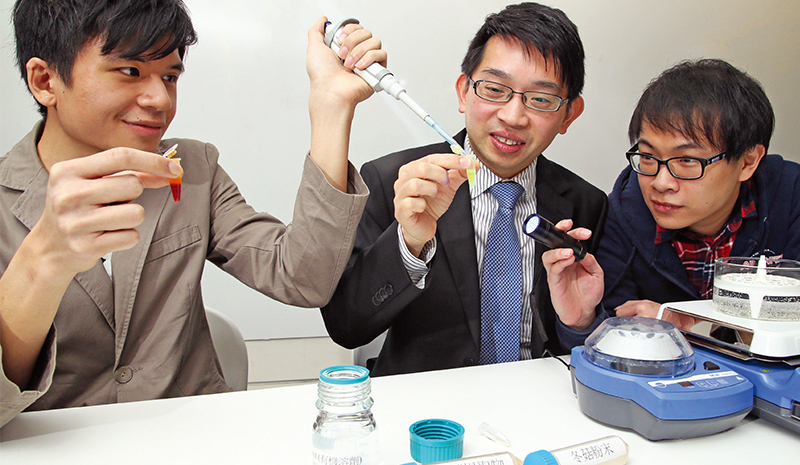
<point>146,336</point>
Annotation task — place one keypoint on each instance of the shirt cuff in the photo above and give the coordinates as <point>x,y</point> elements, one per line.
<point>417,269</point>
<point>570,338</point>
<point>14,400</point>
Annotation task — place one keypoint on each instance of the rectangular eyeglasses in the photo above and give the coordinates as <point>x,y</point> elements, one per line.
<point>500,93</point>
<point>680,167</point>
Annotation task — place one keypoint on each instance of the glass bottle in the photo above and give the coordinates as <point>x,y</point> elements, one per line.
<point>344,432</point>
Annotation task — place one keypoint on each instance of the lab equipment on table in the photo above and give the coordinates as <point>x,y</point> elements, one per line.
<point>642,374</point>
<point>344,431</point>
<point>766,290</point>
<point>436,440</point>
<point>610,450</point>
<point>545,232</point>
<point>381,79</point>
<point>488,431</point>
<point>755,317</point>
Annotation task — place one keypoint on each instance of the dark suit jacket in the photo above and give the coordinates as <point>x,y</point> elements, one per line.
<point>439,326</point>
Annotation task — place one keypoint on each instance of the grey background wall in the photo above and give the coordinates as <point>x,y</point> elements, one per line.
<point>234,92</point>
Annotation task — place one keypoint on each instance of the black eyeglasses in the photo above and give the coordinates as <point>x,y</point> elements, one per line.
<point>680,167</point>
<point>500,93</point>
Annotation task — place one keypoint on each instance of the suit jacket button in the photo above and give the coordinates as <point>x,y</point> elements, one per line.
<point>123,375</point>
<point>469,361</point>
<point>376,300</point>
<point>389,289</point>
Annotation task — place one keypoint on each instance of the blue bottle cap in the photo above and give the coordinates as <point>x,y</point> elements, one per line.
<point>344,374</point>
<point>436,440</point>
<point>541,457</point>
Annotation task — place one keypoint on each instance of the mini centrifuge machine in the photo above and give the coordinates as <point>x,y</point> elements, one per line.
<point>646,375</point>
<point>642,374</point>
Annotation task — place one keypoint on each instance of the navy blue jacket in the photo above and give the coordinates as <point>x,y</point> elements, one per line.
<point>636,269</point>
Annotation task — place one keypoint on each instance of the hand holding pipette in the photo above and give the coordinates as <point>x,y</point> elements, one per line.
<point>381,79</point>
<point>335,91</point>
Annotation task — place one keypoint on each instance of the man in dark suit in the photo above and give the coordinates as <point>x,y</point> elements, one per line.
<point>417,265</point>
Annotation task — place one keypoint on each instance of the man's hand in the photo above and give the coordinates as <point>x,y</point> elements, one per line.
<point>423,192</point>
<point>87,214</point>
<point>649,309</point>
<point>335,92</point>
<point>331,78</point>
<point>576,288</point>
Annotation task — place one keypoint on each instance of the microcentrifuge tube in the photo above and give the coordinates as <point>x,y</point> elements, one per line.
<point>489,431</point>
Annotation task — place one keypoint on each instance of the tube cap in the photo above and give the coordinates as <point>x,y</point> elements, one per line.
<point>541,457</point>
<point>436,440</point>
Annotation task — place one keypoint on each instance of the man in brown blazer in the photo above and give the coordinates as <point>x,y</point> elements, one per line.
<point>100,297</point>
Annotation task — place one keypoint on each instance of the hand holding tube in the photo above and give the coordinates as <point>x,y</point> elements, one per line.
<point>545,232</point>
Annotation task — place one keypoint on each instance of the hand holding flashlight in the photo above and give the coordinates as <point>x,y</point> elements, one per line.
<point>545,232</point>
<point>576,286</point>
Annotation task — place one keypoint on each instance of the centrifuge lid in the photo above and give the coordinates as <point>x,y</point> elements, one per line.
<point>640,345</point>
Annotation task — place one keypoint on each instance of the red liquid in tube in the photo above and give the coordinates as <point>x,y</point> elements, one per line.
<point>175,184</point>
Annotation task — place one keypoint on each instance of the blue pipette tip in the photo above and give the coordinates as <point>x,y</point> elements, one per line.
<point>441,131</point>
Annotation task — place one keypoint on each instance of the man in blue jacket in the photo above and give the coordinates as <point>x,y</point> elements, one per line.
<point>699,187</point>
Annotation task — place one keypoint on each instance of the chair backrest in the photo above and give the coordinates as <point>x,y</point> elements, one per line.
<point>231,349</point>
<point>366,355</point>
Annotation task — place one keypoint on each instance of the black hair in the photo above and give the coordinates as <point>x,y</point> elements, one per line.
<point>707,100</point>
<point>536,27</point>
<point>57,30</point>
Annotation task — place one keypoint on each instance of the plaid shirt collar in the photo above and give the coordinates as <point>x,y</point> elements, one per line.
<point>698,252</point>
<point>747,203</point>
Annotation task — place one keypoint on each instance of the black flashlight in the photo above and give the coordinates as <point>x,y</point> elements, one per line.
<point>545,232</point>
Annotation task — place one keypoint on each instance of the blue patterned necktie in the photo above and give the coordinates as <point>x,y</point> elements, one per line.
<point>501,281</point>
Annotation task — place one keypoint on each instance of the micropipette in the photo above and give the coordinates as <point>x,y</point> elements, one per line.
<point>381,79</point>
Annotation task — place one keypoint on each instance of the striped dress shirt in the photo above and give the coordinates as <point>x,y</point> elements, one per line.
<point>484,207</point>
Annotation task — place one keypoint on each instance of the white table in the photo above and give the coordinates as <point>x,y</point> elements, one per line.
<point>531,402</point>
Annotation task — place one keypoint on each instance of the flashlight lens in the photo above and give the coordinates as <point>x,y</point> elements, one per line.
<point>531,224</point>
